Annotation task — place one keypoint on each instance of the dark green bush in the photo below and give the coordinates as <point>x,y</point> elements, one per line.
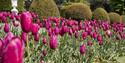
<point>100,14</point>
<point>45,8</point>
<point>114,17</point>
<point>77,11</point>
<point>5,5</point>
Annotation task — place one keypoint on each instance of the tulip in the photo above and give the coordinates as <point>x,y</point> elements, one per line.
<point>76,34</point>
<point>44,52</point>
<point>26,21</point>
<point>99,38</point>
<point>24,36</point>
<point>35,28</point>
<point>14,51</point>
<point>89,43</point>
<point>108,32</point>
<point>16,23</point>
<point>82,49</point>
<point>53,42</point>
<point>56,30</point>
<point>44,40</point>
<point>6,28</point>
<point>36,37</point>
<point>84,35</point>
<point>7,38</point>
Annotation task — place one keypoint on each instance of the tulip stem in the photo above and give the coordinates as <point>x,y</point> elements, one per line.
<point>28,50</point>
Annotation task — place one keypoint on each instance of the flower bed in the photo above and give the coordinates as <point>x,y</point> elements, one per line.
<point>26,38</point>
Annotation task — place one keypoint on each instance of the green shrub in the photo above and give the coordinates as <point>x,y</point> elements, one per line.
<point>5,5</point>
<point>45,8</point>
<point>114,17</point>
<point>77,11</point>
<point>123,18</point>
<point>100,14</point>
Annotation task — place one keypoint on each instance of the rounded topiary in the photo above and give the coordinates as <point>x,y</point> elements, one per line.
<point>114,17</point>
<point>100,14</point>
<point>77,11</point>
<point>5,5</point>
<point>45,8</point>
<point>123,18</point>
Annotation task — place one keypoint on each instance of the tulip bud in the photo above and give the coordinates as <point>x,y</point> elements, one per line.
<point>82,49</point>
<point>6,28</point>
<point>35,28</point>
<point>89,43</point>
<point>7,38</point>
<point>108,32</point>
<point>14,52</point>
<point>36,37</point>
<point>76,34</point>
<point>26,21</point>
<point>24,36</point>
<point>44,40</point>
<point>53,42</point>
<point>44,52</point>
<point>84,35</point>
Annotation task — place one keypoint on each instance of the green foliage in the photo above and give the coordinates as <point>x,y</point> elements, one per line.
<point>123,18</point>
<point>114,17</point>
<point>118,6</point>
<point>100,14</point>
<point>45,8</point>
<point>5,5</point>
<point>77,11</point>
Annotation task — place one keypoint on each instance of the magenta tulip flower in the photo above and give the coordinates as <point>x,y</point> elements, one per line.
<point>36,37</point>
<point>44,41</point>
<point>6,28</point>
<point>14,51</point>
<point>53,42</point>
<point>26,21</point>
<point>82,49</point>
<point>24,36</point>
<point>84,35</point>
<point>35,28</point>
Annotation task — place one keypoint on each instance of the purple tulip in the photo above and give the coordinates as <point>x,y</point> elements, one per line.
<point>89,43</point>
<point>24,36</point>
<point>44,52</point>
<point>44,41</point>
<point>56,30</point>
<point>108,32</point>
<point>82,49</point>
<point>76,34</point>
<point>6,28</point>
<point>84,35</point>
<point>99,38</point>
<point>26,21</point>
<point>36,37</point>
<point>7,38</point>
<point>53,42</point>
<point>14,51</point>
<point>35,28</point>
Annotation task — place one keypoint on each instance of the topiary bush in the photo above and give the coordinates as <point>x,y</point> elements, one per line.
<point>77,11</point>
<point>123,18</point>
<point>100,14</point>
<point>114,17</point>
<point>45,8</point>
<point>5,5</point>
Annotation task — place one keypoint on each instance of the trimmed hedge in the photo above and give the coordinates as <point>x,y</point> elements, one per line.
<point>77,11</point>
<point>114,17</point>
<point>100,14</point>
<point>123,18</point>
<point>45,8</point>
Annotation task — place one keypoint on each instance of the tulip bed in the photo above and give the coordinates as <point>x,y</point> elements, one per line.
<point>24,38</point>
